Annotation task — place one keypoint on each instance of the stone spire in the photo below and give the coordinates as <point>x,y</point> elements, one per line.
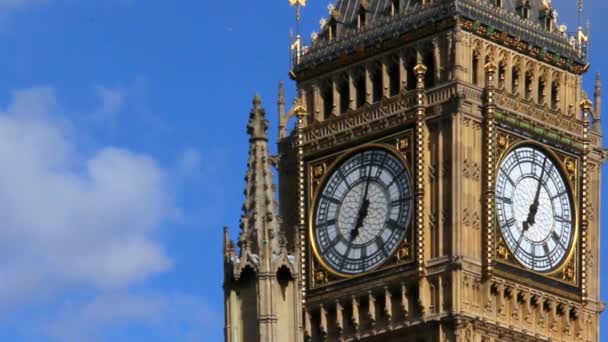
<point>260,288</point>
<point>259,223</point>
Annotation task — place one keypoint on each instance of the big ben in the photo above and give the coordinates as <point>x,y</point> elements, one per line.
<point>441,183</point>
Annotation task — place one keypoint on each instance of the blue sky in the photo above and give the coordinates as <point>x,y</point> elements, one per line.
<point>122,140</point>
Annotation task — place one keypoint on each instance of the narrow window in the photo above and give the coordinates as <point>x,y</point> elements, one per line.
<point>360,89</point>
<point>328,101</point>
<point>411,76</point>
<point>377,85</point>
<point>541,91</point>
<point>395,5</point>
<point>549,24</point>
<point>393,76</point>
<point>499,3</point>
<point>502,71</point>
<point>554,95</point>
<point>525,12</point>
<point>528,85</point>
<point>475,67</point>
<point>333,29</point>
<point>429,62</point>
<point>514,80</point>
<point>361,18</point>
<point>344,95</point>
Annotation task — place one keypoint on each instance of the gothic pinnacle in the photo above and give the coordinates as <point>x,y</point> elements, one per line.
<point>258,125</point>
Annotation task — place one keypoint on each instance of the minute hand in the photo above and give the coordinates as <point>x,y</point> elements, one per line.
<point>531,220</point>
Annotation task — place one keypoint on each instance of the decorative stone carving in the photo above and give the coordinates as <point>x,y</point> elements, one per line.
<point>472,170</point>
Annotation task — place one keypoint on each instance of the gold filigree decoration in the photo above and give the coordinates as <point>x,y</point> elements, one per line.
<point>320,277</point>
<point>404,251</point>
<point>318,171</point>
<point>501,250</point>
<point>569,273</point>
<point>570,165</point>
<point>503,141</point>
<point>403,144</point>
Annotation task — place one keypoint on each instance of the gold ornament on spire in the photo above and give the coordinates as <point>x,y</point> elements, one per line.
<point>297,3</point>
<point>296,45</point>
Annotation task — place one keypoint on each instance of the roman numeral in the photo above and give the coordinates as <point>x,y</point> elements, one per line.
<point>400,201</point>
<point>505,200</point>
<point>380,244</point>
<point>392,225</point>
<point>507,177</point>
<point>557,240</point>
<point>331,199</point>
<point>561,219</point>
<point>562,193</point>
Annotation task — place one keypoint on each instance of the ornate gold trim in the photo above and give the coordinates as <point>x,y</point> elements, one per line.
<point>315,198</point>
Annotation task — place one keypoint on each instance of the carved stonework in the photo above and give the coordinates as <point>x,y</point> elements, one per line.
<point>471,170</point>
<point>471,219</point>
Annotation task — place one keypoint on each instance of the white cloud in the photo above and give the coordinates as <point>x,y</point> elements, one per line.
<point>160,313</point>
<point>71,220</point>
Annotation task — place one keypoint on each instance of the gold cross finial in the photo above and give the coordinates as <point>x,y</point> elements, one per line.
<point>295,46</point>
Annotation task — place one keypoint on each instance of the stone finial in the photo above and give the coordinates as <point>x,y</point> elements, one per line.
<point>598,97</point>
<point>258,125</point>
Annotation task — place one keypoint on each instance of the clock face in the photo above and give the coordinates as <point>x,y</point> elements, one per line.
<point>362,212</point>
<point>534,209</point>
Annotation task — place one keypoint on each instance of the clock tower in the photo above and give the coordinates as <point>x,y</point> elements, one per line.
<point>442,182</point>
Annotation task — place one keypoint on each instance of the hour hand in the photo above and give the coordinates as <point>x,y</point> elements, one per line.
<point>531,220</point>
<point>360,218</point>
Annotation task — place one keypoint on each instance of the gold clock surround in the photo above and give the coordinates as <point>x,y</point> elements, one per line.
<point>508,142</point>
<point>399,147</point>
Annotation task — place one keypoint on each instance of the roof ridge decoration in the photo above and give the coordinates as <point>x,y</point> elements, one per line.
<point>539,31</point>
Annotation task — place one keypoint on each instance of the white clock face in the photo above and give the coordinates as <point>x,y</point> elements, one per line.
<point>362,212</point>
<point>534,209</point>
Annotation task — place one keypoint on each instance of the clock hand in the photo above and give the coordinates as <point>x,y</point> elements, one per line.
<point>531,220</point>
<point>360,218</point>
<point>363,210</point>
